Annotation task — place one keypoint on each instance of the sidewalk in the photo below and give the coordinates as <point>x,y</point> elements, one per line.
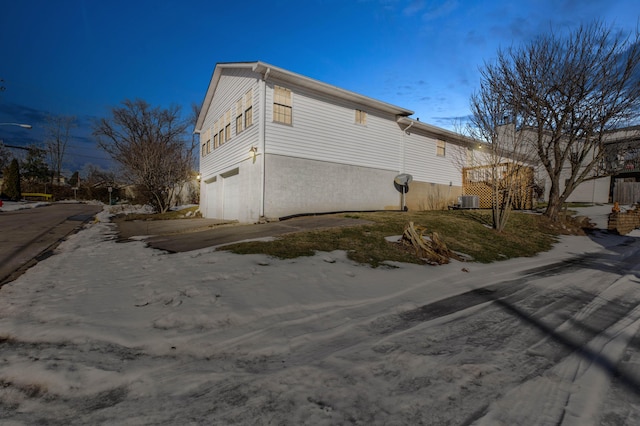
<point>138,228</point>
<point>598,214</point>
<point>192,234</point>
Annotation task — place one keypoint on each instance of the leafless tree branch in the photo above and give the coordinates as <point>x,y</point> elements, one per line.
<point>151,146</point>
<point>567,92</point>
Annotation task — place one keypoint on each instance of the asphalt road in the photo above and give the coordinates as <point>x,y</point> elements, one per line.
<point>27,235</point>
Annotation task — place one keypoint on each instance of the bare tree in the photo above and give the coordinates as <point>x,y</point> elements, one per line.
<point>151,146</point>
<point>58,131</point>
<point>507,156</point>
<point>195,113</point>
<point>567,92</point>
<point>5,156</point>
<point>95,176</point>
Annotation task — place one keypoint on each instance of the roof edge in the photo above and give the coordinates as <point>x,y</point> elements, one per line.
<point>271,71</point>
<point>436,132</point>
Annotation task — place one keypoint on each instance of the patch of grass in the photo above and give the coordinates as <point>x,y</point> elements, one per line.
<point>464,231</point>
<point>170,215</point>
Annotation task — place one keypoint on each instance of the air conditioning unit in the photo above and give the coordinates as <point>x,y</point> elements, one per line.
<point>469,202</point>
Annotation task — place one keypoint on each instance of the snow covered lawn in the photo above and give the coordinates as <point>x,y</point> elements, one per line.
<point>117,333</point>
<point>10,206</point>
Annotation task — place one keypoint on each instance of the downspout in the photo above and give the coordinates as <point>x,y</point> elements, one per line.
<point>262,138</point>
<point>405,131</point>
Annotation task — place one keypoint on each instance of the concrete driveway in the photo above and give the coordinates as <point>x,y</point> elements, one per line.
<point>192,234</point>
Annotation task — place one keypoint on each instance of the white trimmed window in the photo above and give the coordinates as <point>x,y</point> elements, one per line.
<point>248,109</point>
<point>282,106</point>
<point>239,116</point>
<point>227,126</point>
<point>207,137</point>
<point>220,132</point>
<point>361,117</point>
<point>441,148</point>
<point>206,146</point>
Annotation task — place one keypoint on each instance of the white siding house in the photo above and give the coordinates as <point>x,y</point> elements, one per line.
<point>620,166</point>
<point>275,143</point>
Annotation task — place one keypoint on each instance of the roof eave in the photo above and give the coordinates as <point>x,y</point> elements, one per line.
<point>435,132</point>
<point>271,71</point>
<point>213,84</point>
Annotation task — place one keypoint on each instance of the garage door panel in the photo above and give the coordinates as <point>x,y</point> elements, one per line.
<point>231,197</point>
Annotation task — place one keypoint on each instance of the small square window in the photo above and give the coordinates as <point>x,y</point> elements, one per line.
<point>248,110</point>
<point>248,117</point>
<point>282,105</point>
<point>361,117</point>
<point>239,116</point>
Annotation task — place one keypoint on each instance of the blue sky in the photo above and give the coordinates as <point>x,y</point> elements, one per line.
<point>82,57</point>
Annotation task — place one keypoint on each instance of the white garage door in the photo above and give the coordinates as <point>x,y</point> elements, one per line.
<point>232,196</point>
<point>212,197</point>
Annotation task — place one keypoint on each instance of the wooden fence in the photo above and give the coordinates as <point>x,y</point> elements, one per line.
<point>478,181</point>
<point>626,192</point>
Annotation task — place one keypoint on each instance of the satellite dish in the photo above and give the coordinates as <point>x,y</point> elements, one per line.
<point>401,182</point>
<point>403,179</point>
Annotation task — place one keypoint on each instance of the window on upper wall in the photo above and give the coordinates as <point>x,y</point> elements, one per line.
<point>248,109</point>
<point>227,126</point>
<point>441,148</point>
<point>248,117</point>
<point>206,146</point>
<point>216,142</point>
<point>282,106</point>
<point>361,117</point>
<point>239,116</point>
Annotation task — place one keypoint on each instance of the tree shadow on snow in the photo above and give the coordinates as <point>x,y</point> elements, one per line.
<point>573,344</point>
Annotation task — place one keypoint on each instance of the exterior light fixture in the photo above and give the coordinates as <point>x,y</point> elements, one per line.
<point>253,151</point>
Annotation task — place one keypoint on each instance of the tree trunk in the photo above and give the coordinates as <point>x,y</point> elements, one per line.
<point>555,203</point>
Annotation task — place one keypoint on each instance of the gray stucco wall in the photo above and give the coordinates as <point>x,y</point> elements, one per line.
<point>295,185</point>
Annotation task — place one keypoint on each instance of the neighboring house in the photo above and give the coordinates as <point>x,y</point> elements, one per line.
<point>616,177</point>
<point>620,170</point>
<point>274,143</point>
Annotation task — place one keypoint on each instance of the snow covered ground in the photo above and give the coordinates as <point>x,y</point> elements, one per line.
<point>116,333</point>
<point>10,206</point>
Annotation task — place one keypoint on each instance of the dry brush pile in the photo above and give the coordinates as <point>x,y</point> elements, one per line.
<point>428,247</point>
